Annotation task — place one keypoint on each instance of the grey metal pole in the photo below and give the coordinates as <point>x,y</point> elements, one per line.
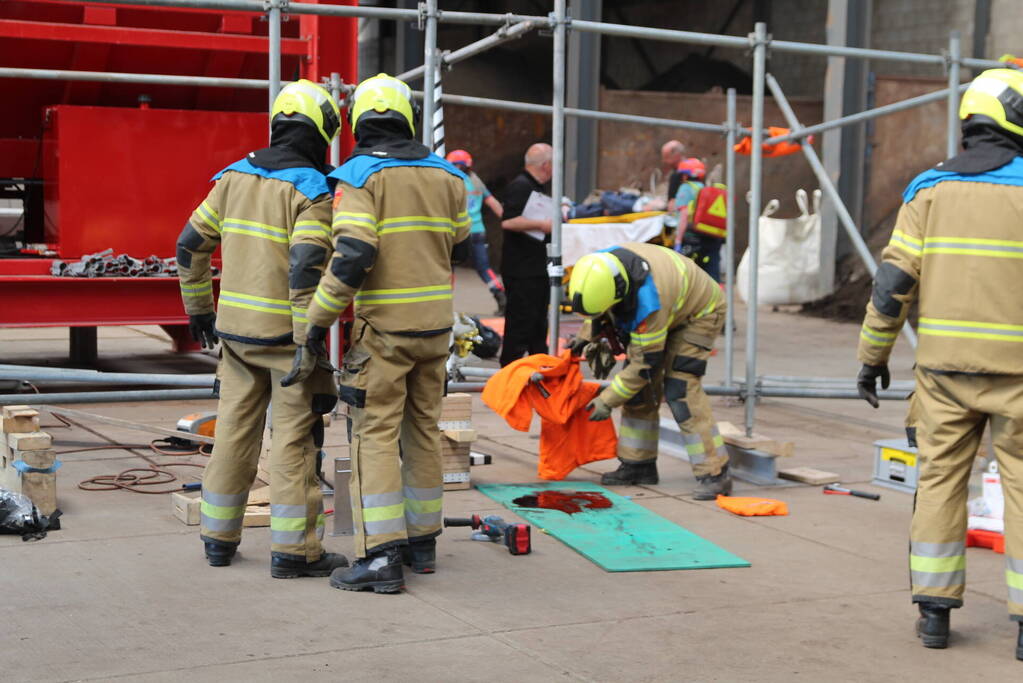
<point>859,117</point>
<point>335,160</point>
<point>554,268</point>
<point>829,189</point>
<point>107,396</point>
<point>954,62</point>
<point>430,65</point>
<point>31,373</point>
<point>273,17</point>
<point>759,40</point>
<point>438,113</point>
<point>730,237</point>
<point>120,77</point>
<point>504,34</point>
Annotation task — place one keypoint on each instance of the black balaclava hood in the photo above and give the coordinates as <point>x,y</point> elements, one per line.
<point>636,270</point>
<point>387,138</point>
<point>985,148</point>
<point>292,145</point>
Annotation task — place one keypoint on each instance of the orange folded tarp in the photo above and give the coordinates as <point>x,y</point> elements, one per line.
<point>753,507</point>
<point>567,437</point>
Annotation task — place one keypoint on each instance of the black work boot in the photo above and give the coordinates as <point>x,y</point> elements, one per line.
<point>636,473</point>
<point>713,485</point>
<point>932,626</point>
<point>421,556</point>
<point>219,553</point>
<point>380,572</point>
<point>1019,643</point>
<point>284,566</point>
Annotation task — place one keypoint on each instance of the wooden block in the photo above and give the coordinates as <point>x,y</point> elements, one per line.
<point>457,485</point>
<point>461,435</point>
<point>29,441</point>
<point>260,496</point>
<point>41,490</point>
<point>256,515</point>
<point>41,458</point>
<point>737,437</point>
<point>186,507</point>
<point>20,419</point>
<point>809,475</point>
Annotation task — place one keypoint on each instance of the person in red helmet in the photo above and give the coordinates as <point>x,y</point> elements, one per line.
<point>478,196</point>
<point>695,240</point>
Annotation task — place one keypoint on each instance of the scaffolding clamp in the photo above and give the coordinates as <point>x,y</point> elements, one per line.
<point>424,14</point>
<point>282,5</point>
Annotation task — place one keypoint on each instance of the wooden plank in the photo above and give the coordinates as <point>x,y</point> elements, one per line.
<point>809,475</point>
<point>256,515</point>
<point>186,508</point>
<point>737,437</point>
<point>460,435</point>
<point>20,420</point>
<point>29,441</point>
<point>259,496</point>
<point>457,485</point>
<point>41,490</point>
<point>41,458</point>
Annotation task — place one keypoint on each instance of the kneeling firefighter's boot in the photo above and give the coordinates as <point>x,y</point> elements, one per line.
<point>711,486</point>
<point>380,572</point>
<point>1019,643</point>
<point>638,473</point>
<point>283,566</point>
<point>932,626</point>
<point>219,553</point>
<point>421,556</point>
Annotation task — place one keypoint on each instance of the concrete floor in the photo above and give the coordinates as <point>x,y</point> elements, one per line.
<point>123,592</point>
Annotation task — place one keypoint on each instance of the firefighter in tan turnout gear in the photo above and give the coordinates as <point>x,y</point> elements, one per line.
<point>956,249</point>
<point>399,212</point>
<point>270,215</point>
<point>667,312</point>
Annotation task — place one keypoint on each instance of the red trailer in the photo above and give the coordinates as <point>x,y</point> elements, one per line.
<point>121,165</point>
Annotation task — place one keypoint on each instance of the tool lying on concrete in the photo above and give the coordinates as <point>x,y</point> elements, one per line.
<point>492,528</point>
<point>836,490</point>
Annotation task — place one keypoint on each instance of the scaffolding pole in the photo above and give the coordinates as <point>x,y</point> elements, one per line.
<point>503,35</point>
<point>429,72</point>
<point>829,189</point>
<point>335,160</point>
<point>554,268</point>
<point>273,17</point>
<point>954,63</point>
<point>732,125</point>
<point>759,40</point>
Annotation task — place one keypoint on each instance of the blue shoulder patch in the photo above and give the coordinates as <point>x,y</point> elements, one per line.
<point>1009,174</point>
<point>308,181</point>
<point>358,169</point>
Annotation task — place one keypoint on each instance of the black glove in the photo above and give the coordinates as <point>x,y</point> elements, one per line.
<point>577,344</point>
<point>599,411</point>
<point>309,356</point>
<point>201,328</point>
<point>866,382</point>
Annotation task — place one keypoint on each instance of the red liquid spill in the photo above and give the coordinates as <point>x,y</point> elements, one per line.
<point>569,502</point>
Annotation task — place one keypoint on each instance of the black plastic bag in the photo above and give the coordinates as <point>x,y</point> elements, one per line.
<point>18,515</point>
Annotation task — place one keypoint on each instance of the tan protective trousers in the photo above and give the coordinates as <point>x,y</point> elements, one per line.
<point>394,385</point>
<point>953,411</point>
<point>250,378</point>
<point>678,380</point>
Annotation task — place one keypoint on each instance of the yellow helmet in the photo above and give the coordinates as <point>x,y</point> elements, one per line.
<point>598,282</point>
<point>385,97</point>
<point>307,103</point>
<point>995,98</point>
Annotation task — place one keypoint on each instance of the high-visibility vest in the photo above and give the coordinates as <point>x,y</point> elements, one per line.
<point>710,213</point>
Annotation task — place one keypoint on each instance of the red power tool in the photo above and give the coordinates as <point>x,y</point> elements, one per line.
<point>514,536</point>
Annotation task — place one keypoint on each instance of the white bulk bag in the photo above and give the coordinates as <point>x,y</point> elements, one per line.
<point>789,256</point>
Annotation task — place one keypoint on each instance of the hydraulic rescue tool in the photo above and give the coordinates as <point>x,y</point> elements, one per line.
<point>492,528</point>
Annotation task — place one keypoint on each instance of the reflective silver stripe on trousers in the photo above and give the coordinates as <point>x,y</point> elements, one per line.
<point>697,456</point>
<point>1014,575</point>
<point>292,511</point>
<point>287,537</point>
<point>923,549</point>
<point>414,517</point>
<point>214,524</point>
<point>632,427</point>
<point>390,525</point>
<point>938,579</point>
<point>386,526</point>
<point>379,500</point>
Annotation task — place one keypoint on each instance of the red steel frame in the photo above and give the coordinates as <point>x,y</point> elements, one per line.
<point>133,191</point>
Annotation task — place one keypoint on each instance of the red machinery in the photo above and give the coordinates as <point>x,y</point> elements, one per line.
<point>120,165</point>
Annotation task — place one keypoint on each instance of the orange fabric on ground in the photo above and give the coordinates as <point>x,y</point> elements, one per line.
<point>567,437</point>
<point>753,507</point>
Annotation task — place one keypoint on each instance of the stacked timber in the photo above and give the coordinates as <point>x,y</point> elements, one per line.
<point>27,460</point>
<point>457,435</point>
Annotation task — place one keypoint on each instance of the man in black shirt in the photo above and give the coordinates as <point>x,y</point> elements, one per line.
<point>672,152</point>
<point>524,260</point>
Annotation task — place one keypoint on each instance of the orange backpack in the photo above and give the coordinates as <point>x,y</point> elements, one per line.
<point>710,214</point>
